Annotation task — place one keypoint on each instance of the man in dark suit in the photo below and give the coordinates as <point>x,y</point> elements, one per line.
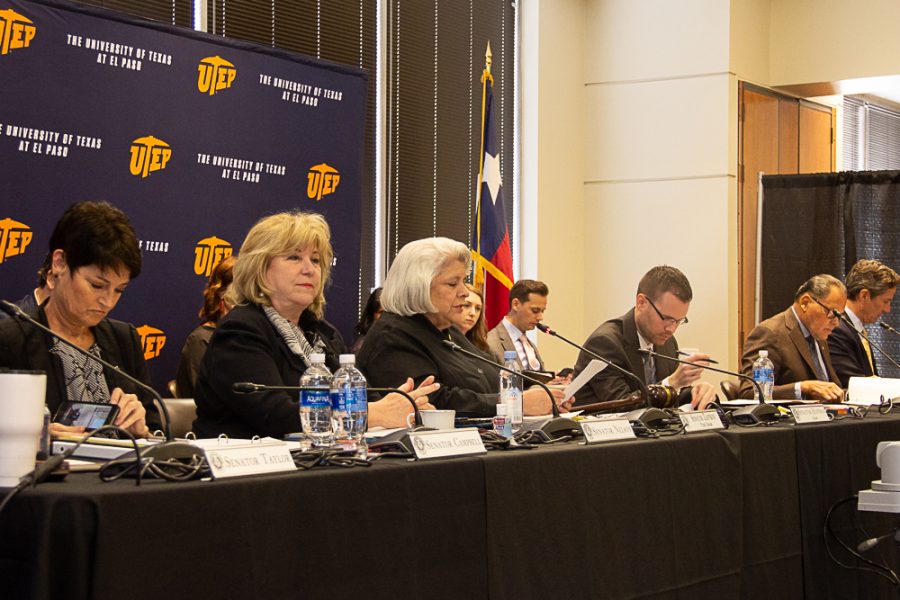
<point>527,303</point>
<point>796,340</point>
<point>870,289</point>
<point>661,305</point>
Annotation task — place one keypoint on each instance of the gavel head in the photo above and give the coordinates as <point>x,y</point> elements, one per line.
<point>663,396</point>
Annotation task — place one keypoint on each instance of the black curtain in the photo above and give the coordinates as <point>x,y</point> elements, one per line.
<point>824,223</point>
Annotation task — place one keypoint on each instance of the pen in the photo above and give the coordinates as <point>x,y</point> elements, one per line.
<point>709,360</point>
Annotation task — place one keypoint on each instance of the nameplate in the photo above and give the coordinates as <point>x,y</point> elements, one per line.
<point>235,460</point>
<point>606,430</point>
<point>444,443</point>
<point>814,413</point>
<point>700,420</point>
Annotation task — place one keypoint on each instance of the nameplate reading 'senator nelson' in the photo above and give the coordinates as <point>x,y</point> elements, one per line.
<point>606,430</point>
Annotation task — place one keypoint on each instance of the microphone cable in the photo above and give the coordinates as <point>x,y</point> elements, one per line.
<point>877,569</point>
<point>43,470</point>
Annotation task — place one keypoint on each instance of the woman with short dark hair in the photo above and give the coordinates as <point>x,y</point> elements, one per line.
<point>94,254</point>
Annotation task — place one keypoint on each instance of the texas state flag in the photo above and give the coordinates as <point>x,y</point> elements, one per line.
<point>490,244</point>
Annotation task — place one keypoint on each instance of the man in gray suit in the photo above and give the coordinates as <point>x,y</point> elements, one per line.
<point>796,340</point>
<point>527,303</point>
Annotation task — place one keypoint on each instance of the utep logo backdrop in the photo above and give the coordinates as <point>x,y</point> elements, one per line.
<point>194,137</point>
<point>216,74</point>
<point>208,253</point>
<point>149,154</point>
<point>14,238</point>
<point>16,31</point>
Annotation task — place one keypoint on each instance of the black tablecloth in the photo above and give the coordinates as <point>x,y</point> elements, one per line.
<point>733,514</point>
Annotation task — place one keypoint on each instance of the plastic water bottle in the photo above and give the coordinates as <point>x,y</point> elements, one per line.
<point>511,390</point>
<point>349,402</point>
<point>764,375</point>
<point>501,423</point>
<point>315,404</point>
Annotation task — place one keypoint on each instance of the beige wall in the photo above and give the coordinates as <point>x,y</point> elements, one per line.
<point>630,140</point>
<point>552,165</point>
<point>659,170</point>
<point>833,40</point>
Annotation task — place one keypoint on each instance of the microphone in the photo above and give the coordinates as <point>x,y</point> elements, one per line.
<point>746,415</point>
<point>649,415</point>
<point>247,387</point>
<point>870,543</point>
<point>17,313</point>
<point>888,328</point>
<point>556,426</point>
<point>864,335</point>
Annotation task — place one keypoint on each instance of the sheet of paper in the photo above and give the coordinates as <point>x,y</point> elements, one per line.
<point>867,391</point>
<point>568,415</point>
<point>594,367</point>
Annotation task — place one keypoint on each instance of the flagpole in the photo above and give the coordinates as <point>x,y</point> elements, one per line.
<point>485,76</point>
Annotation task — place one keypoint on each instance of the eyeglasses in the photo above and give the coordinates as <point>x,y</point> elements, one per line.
<point>669,321</point>
<point>831,313</point>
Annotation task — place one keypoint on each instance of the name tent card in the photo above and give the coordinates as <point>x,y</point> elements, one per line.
<point>814,413</point>
<point>446,442</point>
<point>234,460</point>
<point>701,420</point>
<point>606,430</point>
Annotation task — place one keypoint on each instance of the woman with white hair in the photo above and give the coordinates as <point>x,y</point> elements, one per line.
<point>275,326</point>
<point>423,294</point>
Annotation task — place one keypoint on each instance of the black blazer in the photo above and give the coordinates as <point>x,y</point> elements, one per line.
<point>398,347</point>
<point>617,341</point>
<point>247,347</point>
<point>24,346</point>
<point>848,356</point>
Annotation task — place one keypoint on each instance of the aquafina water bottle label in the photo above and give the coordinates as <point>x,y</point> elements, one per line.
<point>315,398</point>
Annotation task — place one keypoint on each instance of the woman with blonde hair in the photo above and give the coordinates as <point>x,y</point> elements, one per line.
<point>275,326</point>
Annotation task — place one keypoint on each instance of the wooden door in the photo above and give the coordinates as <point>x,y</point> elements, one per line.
<point>777,134</point>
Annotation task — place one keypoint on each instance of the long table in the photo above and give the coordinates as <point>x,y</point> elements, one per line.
<point>731,514</point>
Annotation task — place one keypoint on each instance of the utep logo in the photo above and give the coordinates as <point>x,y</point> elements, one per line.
<point>208,253</point>
<point>14,238</point>
<point>152,341</point>
<point>16,31</point>
<point>321,181</point>
<point>215,74</point>
<point>149,154</point>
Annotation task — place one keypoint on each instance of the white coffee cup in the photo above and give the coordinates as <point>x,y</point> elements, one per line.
<point>21,420</point>
<point>438,419</point>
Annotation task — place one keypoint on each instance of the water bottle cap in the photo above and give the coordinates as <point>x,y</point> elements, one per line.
<point>763,353</point>
<point>348,359</point>
<point>509,355</point>
<point>317,358</point>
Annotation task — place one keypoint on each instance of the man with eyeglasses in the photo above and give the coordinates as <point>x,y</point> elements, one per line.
<point>660,308</point>
<point>796,340</point>
<point>871,286</point>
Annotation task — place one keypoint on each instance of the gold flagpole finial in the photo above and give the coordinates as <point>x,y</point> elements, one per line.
<point>488,58</point>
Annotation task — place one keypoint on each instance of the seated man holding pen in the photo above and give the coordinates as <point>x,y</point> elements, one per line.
<point>796,341</point>
<point>661,305</point>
